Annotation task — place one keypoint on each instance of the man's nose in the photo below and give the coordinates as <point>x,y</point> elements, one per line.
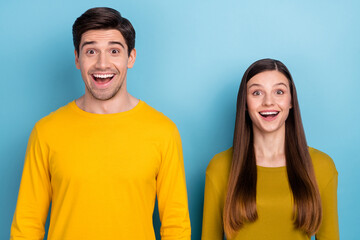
<point>103,61</point>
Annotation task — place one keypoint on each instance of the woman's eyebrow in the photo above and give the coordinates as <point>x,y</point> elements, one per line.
<point>278,84</point>
<point>255,85</point>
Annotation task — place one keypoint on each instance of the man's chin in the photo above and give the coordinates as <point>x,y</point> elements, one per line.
<point>103,96</point>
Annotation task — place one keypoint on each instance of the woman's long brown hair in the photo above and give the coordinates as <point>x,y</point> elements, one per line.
<point>240,202</point>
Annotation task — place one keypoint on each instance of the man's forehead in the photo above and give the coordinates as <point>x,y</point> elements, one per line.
<point>100,35</point>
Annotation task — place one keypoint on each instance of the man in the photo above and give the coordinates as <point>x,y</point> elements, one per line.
<point>102,159</point>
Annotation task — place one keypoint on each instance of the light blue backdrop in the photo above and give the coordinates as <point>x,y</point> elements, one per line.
<point>191,57</point>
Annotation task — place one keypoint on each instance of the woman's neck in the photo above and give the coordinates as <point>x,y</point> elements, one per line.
<point>270,148</point>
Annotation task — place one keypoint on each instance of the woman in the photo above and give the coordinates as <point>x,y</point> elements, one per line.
<point>270,184</point>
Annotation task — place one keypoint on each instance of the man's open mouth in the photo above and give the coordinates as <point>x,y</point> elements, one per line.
<point>102,78</point>
<point>269,114</point>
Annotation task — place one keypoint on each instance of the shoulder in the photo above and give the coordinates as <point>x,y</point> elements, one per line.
<point>54,119</point>
<point>219,166</point>
<point>321,161</point>
<point>157,119</point>
<point>324,167</point>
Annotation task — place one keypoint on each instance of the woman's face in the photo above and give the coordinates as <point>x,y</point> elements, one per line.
<point>268,101</point>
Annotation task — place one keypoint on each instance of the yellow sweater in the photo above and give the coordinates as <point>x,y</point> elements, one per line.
<point>102,173</point>
<point>273,201</point>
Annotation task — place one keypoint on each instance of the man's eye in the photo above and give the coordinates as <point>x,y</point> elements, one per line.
<point>91,51</point>
<point>115,51</point>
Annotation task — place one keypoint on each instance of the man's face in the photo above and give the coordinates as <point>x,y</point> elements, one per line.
<point>103,61</point>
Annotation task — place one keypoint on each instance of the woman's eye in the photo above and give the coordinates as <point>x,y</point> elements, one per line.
<point>280,92</point>
<point>257,93</point>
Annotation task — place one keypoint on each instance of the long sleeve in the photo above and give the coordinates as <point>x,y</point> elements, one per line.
<point>35,193</point>
<point>212,228</point>
<point>171,192</point>
<point>329,229</point>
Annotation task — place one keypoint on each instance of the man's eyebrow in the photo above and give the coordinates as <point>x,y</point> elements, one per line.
<point>86,43</point>
<point>110,43</point>
<point>115,42</point>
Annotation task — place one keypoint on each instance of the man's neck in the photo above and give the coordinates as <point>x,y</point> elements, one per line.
<point>117,104</point>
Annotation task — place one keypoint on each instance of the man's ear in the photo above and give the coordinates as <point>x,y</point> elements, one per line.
<point>132,58</point>
<point>77,59</point>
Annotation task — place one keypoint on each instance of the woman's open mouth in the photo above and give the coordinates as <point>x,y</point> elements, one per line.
<point>269,115</point>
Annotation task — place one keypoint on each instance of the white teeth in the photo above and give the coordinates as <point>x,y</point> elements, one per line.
<point>103,75</point>
<point>268,113</point>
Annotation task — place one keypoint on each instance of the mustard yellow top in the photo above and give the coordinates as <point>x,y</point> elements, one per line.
<point>273,201</point>
<point>102,173</point>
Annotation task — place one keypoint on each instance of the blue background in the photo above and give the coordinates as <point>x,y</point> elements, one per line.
<point>191,56</point>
